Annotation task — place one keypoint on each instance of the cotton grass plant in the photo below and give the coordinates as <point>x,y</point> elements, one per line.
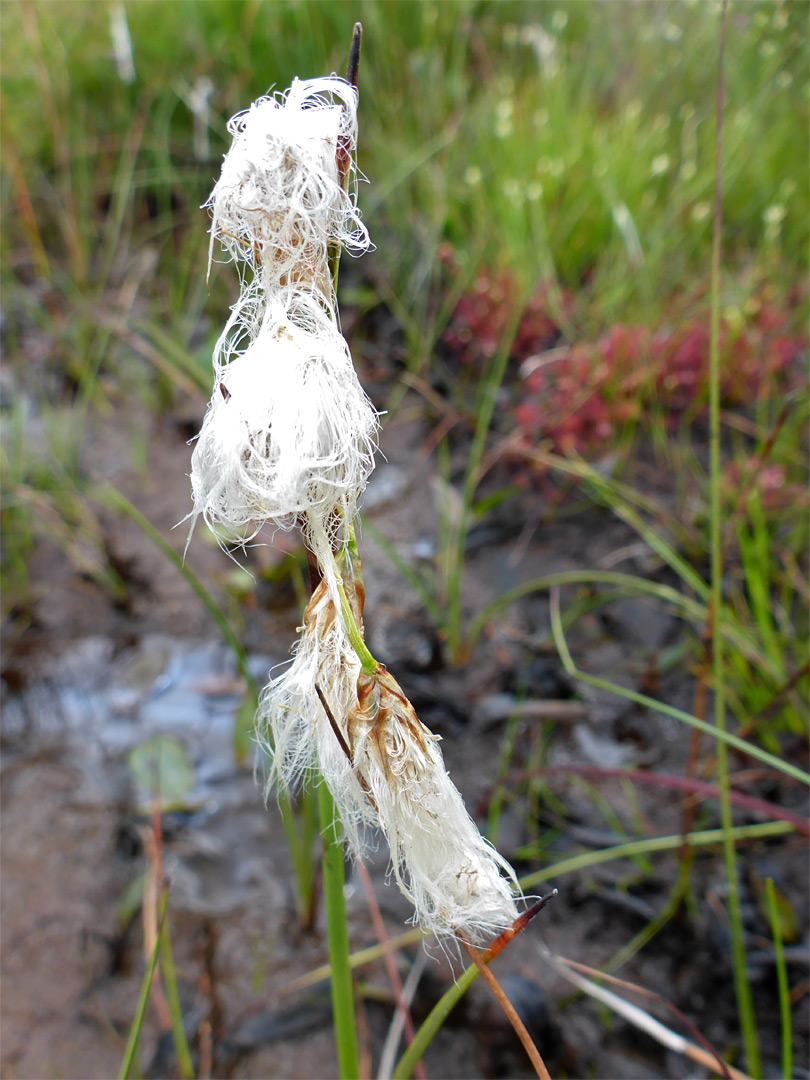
<point>288,442</point>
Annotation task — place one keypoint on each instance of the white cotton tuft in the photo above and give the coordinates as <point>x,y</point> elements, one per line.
<point>289,431</point>
<point>453,877</point>
<point>281,201</point>
<point>293,724</point>
<point>384,769</point>
<point>289,438</point>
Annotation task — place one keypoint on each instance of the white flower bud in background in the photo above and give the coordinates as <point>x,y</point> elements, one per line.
<point>281,201</point>
<point>289,430</point>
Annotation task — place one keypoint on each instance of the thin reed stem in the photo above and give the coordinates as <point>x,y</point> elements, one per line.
<point>334,879</point>
<point>140,1012</point>
<point>782,980</point>
<point>742,985</point>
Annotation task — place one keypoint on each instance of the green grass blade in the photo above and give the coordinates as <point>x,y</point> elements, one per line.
<point>140,1012</point>
<point>300,830</point>
<point>169,974</point>
<point>431,1026</point>
<point>421,585</point>
<point>720,735</point>
<point>634,848</point>
<point>485,408</point>
<point>665,593</point>
<point>334,878</point>
<point>782,981</point>
<point>745,1003</point>
<point>111,496</point>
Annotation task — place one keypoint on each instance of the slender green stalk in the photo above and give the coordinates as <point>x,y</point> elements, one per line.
<point>782,980</point>
<point>458,533</point>
<point>657,923</point>
<point>367,661</point>
<point>720,734</point>
<point>665,593</point>
<point>436,1018</point>
<point>167,970</point>
<point>300,829</point>
<point>140,1012</point>
<point>745,1004</point>
<point>338,933</point>
<point>424,586</point>
<point>451,998</point>
<point>762,830</point>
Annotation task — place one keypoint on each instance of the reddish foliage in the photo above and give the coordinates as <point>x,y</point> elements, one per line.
<point>483,314</point>
<point>578,395</point>
<point>769,481</point>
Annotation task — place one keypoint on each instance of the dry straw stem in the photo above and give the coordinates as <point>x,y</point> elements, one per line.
<point>708,1058</point>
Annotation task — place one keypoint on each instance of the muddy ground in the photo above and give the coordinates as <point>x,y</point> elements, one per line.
<point>87,679</point>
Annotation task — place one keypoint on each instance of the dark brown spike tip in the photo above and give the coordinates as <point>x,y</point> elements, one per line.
<point>503,939</point>
<point>354,55</point>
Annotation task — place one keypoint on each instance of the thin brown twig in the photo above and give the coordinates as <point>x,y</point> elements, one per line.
<point>521,922</point>
<point>152,837</point>
<point>697,788</point>
<point>728,1071</point>
<point>344,746</point>
<point>507,1006</point>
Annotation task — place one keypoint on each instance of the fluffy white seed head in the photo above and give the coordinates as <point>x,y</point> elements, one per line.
<point>384,768</point>
<point>289,430</point>
<point>281,201</point>
<point>453,877</point>
<point>294,727</point>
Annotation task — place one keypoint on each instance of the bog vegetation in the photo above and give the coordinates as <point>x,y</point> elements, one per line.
<point>542,203</point>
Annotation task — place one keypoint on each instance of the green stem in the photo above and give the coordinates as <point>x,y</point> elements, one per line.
<point>338,934</point>
<point>367,661</point>
<point>167,969</point>
<point>745,1004</point>
<point>140,1012</point>
<point>782,980</point>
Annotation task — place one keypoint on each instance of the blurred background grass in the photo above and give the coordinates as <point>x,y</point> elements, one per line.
<point>529,163</point>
